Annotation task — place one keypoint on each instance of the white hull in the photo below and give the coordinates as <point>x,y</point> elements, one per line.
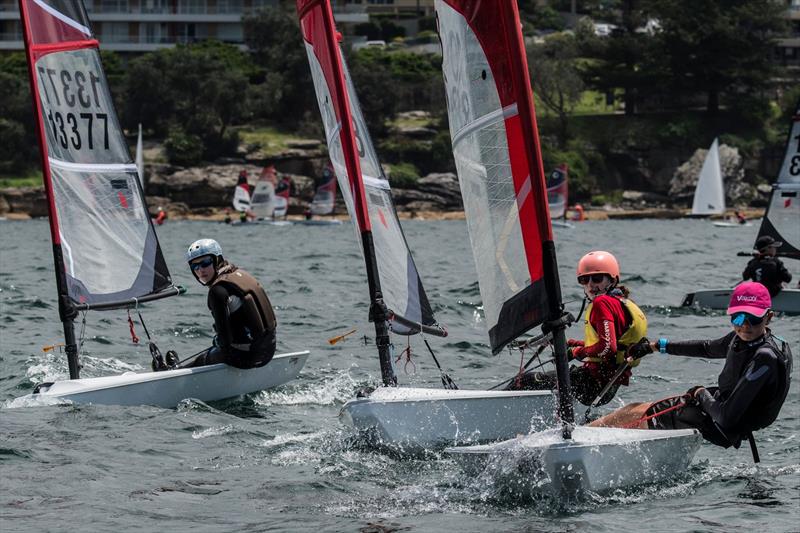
<point>787,301</point>
<point>169,387</point>
<point>415,419</point>
<point>596,459</point>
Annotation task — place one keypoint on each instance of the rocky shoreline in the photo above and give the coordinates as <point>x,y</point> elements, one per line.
<point>206,192</point>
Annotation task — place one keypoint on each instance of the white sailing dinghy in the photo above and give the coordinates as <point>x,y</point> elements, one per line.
<point>401,418</point>
<point>781,222</point>
<point>498,158</point>
<point>557,196</point>
<point>324,201</point>
<point>709,194</point>
<point>105,248</point>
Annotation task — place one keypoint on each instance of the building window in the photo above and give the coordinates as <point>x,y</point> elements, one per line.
<point>197,7</point>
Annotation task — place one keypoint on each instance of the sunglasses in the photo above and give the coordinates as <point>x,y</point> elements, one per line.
<point>596,278</point>
<point>205,263</point>
<point>738,319</point>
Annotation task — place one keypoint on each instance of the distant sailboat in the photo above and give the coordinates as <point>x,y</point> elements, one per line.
<point>283,191</point>
<point>262,202</point>
<point>709,195</point>
<point>325,195</point>
<point>105,249</point>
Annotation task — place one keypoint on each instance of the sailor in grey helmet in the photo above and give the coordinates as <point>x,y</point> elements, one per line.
<point>243,316</point>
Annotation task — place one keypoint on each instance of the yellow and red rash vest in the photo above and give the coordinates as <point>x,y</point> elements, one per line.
<point>635,332</point>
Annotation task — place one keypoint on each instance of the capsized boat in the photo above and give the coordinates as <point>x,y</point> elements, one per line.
<point>397,418</point>
<point>496,148</point>
<point>105,249</point>
<point>781,222</point>
<point>709,194</point>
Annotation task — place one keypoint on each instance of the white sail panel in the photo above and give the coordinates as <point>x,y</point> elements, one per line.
<point>709,196</point>
<point>262,203</point>
<point>400,284</point>
<point>477,127</point>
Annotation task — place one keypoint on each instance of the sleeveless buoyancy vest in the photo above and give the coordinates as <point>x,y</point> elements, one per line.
<point>735,366</point>
<point>635,332</point>
<point>252,295</point>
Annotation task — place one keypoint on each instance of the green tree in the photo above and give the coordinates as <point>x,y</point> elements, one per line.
<point>201,88</point>
<point>626,59</point>
<point>277,48</point>
<point>556,80</point>
<point>719,48</point>
<point>18,141</point>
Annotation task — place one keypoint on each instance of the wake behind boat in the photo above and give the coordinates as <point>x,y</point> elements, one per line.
<point>105,249</point>
<point>407,419</point>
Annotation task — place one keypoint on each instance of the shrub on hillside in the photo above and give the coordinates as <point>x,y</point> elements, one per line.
<point>403,175</point>
<point>183,149</point>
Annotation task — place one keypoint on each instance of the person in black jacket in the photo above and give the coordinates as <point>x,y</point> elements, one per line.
<point>752,386</point>
<point>765,268</point>
<point>243,316</point>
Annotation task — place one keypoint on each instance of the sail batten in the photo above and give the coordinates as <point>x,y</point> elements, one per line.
<point>107,250</point>
<point>365,188</point>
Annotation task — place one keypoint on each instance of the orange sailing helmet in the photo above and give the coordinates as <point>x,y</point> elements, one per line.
<point>599,262</point>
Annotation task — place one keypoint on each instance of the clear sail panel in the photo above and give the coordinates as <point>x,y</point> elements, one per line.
<point>400,284</point>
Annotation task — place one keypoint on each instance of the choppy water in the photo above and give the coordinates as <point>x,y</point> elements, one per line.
<point>281,461</point>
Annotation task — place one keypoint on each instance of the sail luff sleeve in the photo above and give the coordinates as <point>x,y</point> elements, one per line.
<point>97,211</point>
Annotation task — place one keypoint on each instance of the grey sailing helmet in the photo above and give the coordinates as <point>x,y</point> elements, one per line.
<point>203,247</point>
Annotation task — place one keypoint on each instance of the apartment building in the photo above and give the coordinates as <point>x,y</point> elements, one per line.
<point>147,25</point>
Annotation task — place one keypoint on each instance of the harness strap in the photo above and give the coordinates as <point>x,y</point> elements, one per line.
<point>649,417</point>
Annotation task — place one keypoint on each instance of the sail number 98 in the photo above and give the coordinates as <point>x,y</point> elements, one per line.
<point>67,128</point>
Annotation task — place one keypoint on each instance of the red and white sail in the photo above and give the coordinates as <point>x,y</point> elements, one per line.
<point>558,192</point>
<point>98,219</point>
<point>364,186</point>
<point>782,219</point>
<point>498,158</point>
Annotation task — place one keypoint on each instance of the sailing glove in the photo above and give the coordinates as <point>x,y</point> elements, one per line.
<point>640,349</point>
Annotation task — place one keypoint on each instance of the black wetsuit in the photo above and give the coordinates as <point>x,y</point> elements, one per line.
<point>768,271</point>
<point>753,385</point>
<point>245,335</point>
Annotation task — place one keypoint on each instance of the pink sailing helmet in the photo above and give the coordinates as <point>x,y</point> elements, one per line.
<point>750,297</point>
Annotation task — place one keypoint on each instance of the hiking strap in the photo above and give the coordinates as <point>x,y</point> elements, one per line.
<point>650,417</point>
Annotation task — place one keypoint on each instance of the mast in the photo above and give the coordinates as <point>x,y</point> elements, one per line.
<point>378,312</point>
<point>66,311</point>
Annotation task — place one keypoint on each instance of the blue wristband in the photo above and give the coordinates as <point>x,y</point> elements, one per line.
<point>662,345</point>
